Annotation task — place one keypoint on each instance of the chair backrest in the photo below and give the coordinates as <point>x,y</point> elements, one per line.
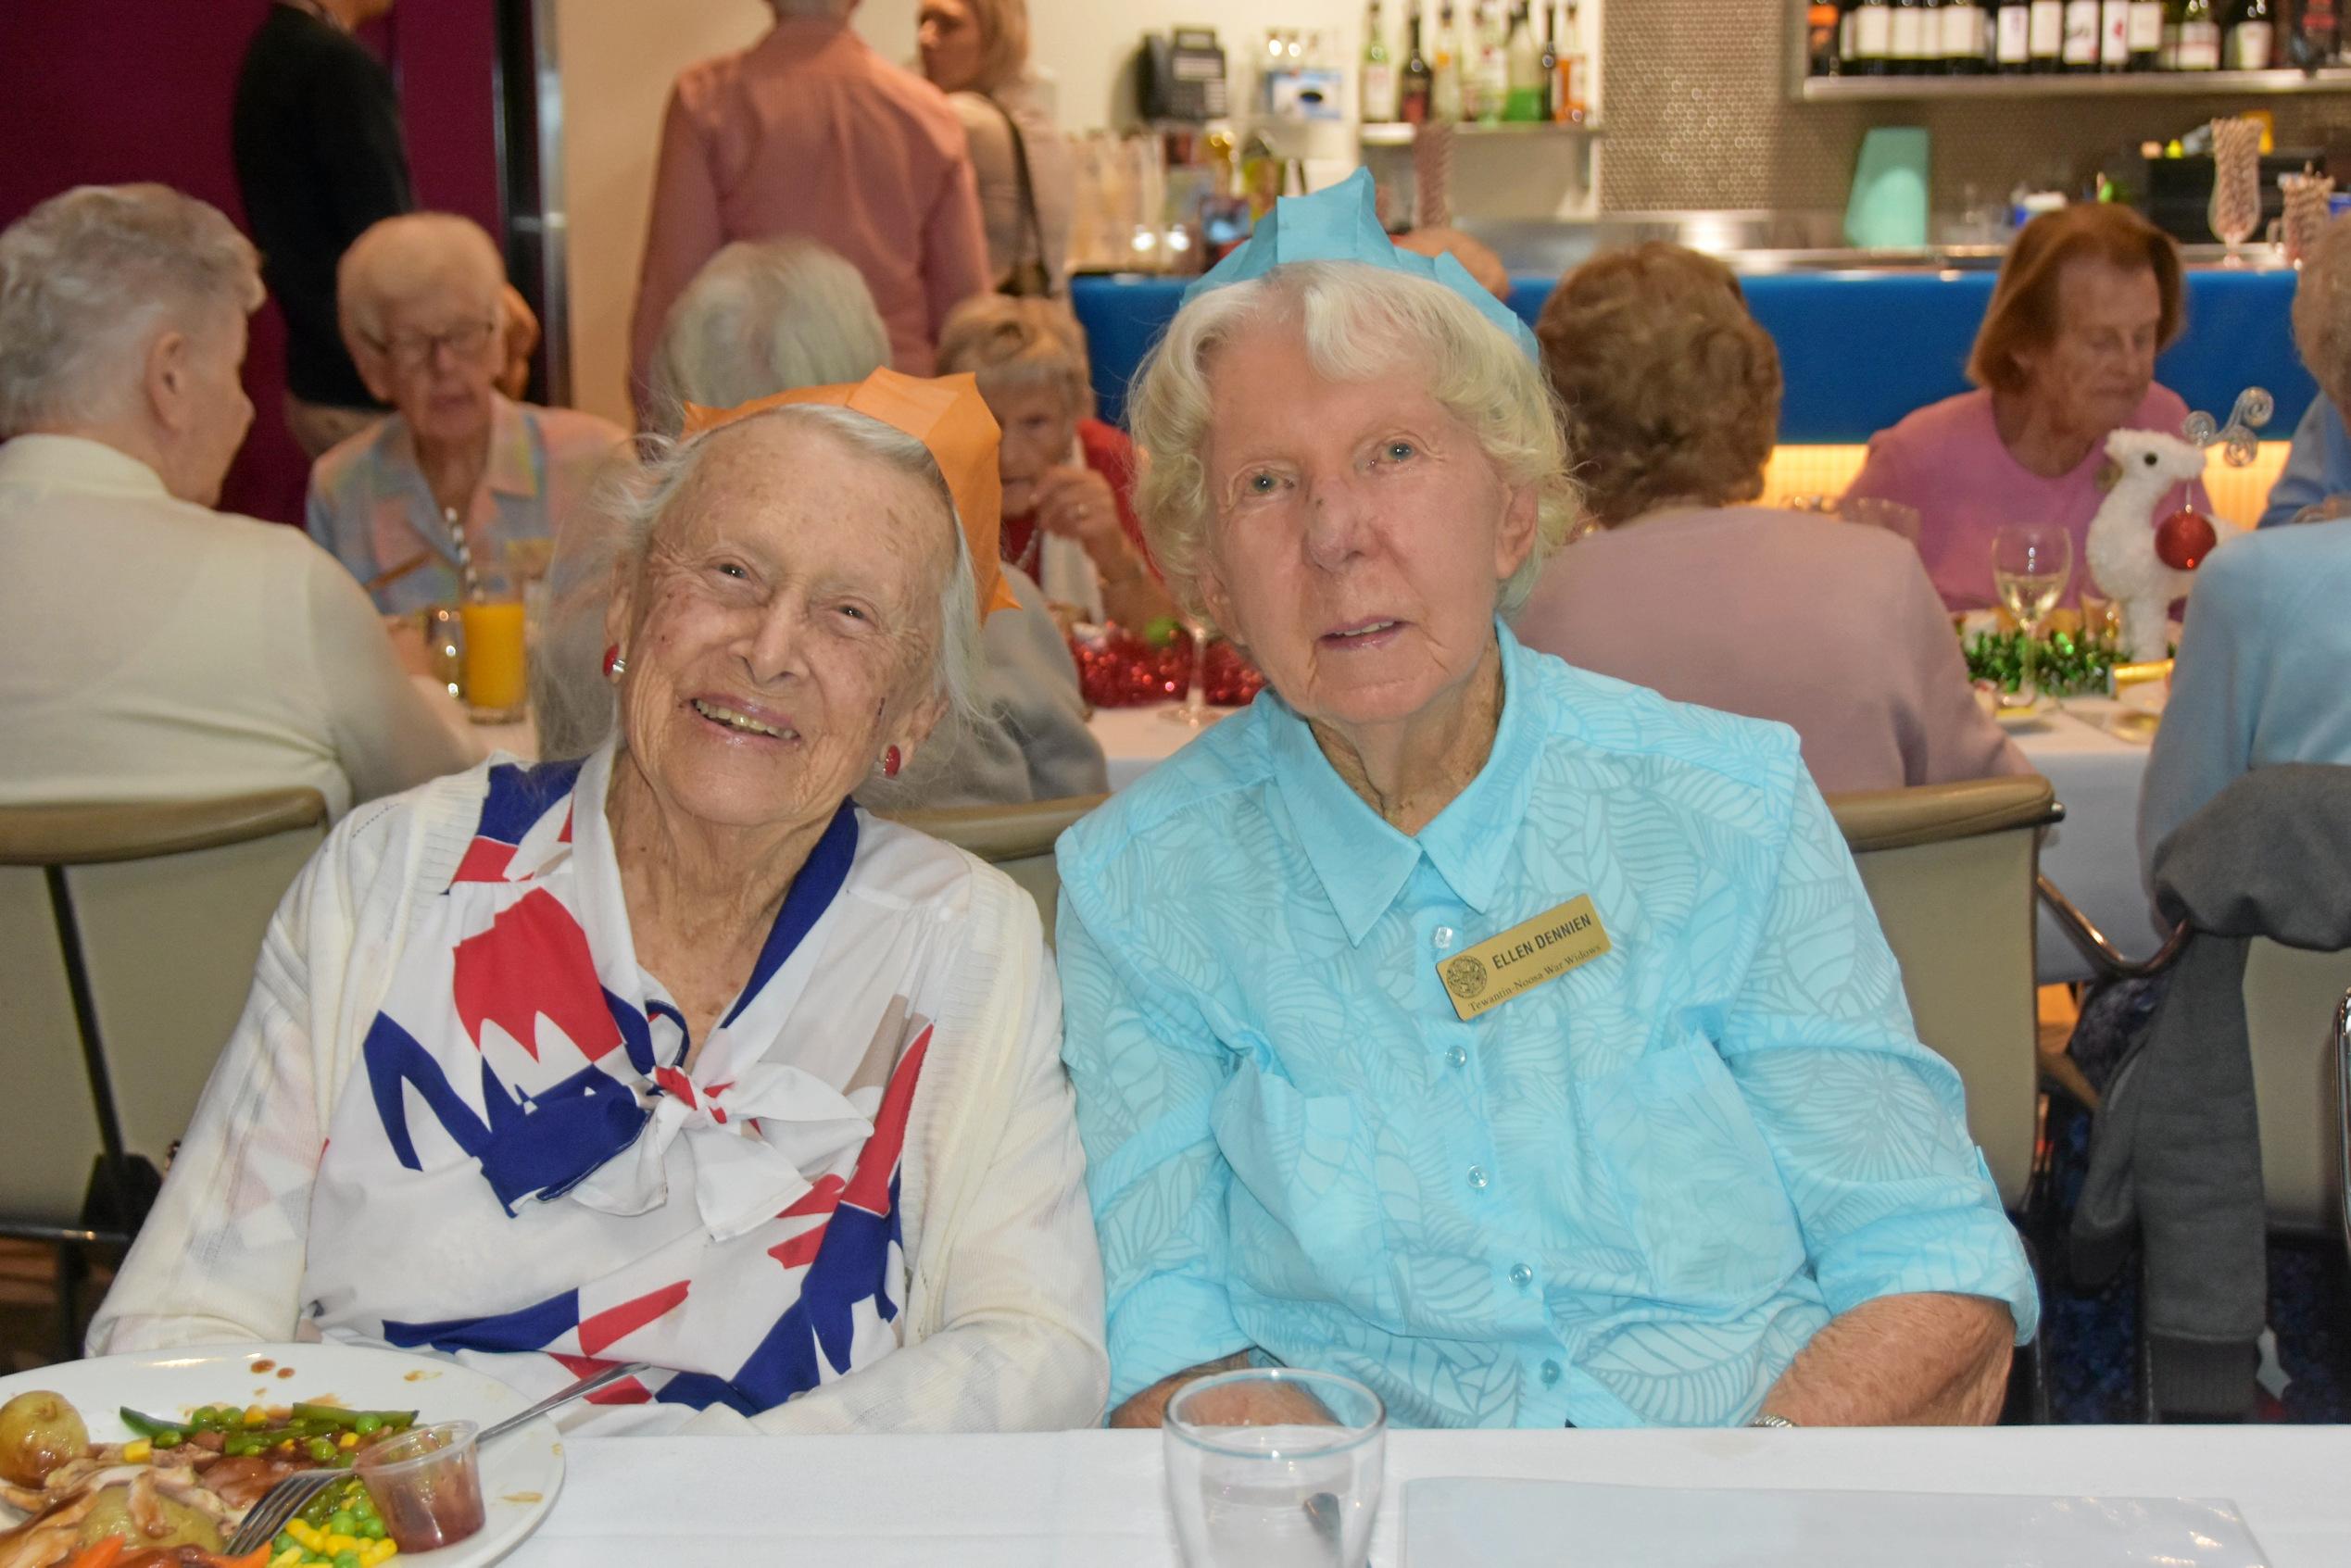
<point>2291,999</point>
<point>1017,840</point>
<point>166,904</point>
<point>1950,871</point>
<point>48,1124</point>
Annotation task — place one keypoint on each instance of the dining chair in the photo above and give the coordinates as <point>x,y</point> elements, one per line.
<point>2291,998</point>
<point>128,935</point>
<point>1017,840</point>
<point>1950,869</point>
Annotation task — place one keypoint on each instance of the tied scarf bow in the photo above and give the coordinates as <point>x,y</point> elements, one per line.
<point>750,1134</point>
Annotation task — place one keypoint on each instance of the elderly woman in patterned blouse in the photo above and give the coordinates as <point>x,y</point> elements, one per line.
<point>673,1055</point>
<point>1509,1039</point>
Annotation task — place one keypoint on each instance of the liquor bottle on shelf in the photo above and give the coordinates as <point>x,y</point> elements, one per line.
<point>1823,20</point>
<point>2081,35</point>
<point>2252,35</point>
<point>1963,38</point>
<point>1571,99</point>
<point>1444,88</point>
<point>2318,35</point>
<point>2012,37</point>
<point>2048,37</point>
<point>2199,35</point>
<point>1524,103</point>
<point>1547,62</point>
<point>1379,71</point>
<point>2147,34</point>
<point>2113,35</point>
<point>1909,37</point>
<point>1493,64</point>
<point>1873,38</point>
<point>1412,86</point>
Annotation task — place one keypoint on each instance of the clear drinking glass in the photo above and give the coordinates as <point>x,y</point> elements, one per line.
<point>1194,710</point>
<point>496,660</point>
<point>2030,566</point>
<point>2235,210</point>
<point>1274,1468</point>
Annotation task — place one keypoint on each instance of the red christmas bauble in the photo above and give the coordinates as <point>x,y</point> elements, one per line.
<point>2183,539</point>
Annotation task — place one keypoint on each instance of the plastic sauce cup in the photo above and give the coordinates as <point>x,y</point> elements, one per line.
<point>426,1484</point>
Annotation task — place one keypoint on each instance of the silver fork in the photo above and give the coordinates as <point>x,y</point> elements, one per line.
<point>291,1496</point>
<point>279,1504</point>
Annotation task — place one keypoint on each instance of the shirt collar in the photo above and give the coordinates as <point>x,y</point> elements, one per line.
<point>508,469</point>
<point>1362,862</point>
<point>76,462</point>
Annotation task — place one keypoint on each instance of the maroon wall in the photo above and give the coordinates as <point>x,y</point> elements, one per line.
<point>102,94</point>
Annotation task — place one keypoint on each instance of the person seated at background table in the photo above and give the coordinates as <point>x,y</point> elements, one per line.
<point>420,504</point>
<point>777,317</point>
<point>158,649</point>
<point>977,53</point>
<point>796,1135</point>
<point>1709,1172</point>
<point>2087,298</point>
<point>2318,467</point>
<point>1672,395</point>
<point>810,132</point>
<point>1069,478</point>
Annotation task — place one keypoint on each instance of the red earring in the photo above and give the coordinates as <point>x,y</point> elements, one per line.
<point>614,663</point>
<point>891,763</point>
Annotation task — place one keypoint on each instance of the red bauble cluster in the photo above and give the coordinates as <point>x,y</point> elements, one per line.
<point>1118,668</point>
<point>2184,538</point>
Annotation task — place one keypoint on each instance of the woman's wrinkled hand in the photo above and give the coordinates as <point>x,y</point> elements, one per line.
<point>1076,502</point>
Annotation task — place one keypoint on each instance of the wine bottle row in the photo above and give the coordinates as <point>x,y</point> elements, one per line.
<point>2022,37</point>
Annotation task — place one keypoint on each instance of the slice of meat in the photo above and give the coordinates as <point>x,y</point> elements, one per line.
<point>40,1542</point>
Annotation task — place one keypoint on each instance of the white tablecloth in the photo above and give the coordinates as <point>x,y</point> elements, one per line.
<point>1084,1499</point>
<point>2094,856</point>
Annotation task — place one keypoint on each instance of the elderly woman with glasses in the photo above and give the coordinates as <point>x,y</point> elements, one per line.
<point>1509,1038</point>
<point>673,1055</point>
<point>419,505</point>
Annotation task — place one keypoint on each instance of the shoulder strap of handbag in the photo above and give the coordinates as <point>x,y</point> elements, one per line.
<point>1030,222</point>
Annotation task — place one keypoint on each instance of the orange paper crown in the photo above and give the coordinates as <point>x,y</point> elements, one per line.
<point>948,415</point>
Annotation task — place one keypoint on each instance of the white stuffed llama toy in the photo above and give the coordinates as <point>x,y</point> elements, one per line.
<point>2144,563</point>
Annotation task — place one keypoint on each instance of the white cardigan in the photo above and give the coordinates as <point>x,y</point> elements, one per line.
<point>1003,1323</point>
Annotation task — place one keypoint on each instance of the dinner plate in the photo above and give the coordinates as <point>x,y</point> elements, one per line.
<point>521,1472</point>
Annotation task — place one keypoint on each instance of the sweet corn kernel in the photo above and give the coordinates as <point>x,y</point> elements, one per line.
<point>137,1452</point>
<point>290,1558</point>
<point>309,1535</point>
<point>348,1440</point>
<point>376,1552</point>
<point>342,1543</point>
<point>255,1416</point>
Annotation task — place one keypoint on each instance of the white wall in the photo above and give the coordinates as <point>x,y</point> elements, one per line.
<point>618,58</point>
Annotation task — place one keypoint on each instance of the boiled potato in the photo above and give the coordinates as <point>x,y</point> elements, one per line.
<point>110,1515</point>
<point>38,1432</point>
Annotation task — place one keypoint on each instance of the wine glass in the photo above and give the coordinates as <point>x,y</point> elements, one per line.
<point>2235,211</point>
<point>1194,711</point>
<point>1274,1468</point>
<point>2030,565</point>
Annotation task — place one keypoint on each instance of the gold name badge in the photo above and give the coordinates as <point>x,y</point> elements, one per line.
<point>1525,956</point>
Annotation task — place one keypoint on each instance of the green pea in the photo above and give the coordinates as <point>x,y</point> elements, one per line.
<point>170,1438</point>
<point>347,1559</point>
<point>320,1449</point>
<point>342,1523</point>
<point>371,1528</point>
<point>367,1423</point>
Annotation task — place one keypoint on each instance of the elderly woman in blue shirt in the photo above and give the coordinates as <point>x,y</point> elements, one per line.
<point>1507,1037</point>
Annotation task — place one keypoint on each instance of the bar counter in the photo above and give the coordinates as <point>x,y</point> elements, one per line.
<point>1860,346</point>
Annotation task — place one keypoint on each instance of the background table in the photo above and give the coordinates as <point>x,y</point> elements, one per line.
<point>2095,856</point>
<point>1081,1499</point>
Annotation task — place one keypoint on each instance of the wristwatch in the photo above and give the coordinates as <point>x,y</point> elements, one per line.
<point>1772,1421</point>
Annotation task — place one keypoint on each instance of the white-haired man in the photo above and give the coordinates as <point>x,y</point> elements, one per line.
<point>159,649</point>
<point>810,132</point>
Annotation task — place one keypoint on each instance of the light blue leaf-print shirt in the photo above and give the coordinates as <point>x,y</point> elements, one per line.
<point>1628,1197</point>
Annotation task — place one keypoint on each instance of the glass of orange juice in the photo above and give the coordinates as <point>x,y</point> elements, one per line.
<point>495,668</point>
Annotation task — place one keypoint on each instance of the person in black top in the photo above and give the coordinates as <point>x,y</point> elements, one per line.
<point>319,159</point>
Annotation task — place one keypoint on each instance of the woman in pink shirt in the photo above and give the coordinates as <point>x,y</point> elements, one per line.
<point>1672,395</point>
<point>2086,300</point>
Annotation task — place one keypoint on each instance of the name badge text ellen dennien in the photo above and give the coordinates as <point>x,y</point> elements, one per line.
<point>1525,956</point>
